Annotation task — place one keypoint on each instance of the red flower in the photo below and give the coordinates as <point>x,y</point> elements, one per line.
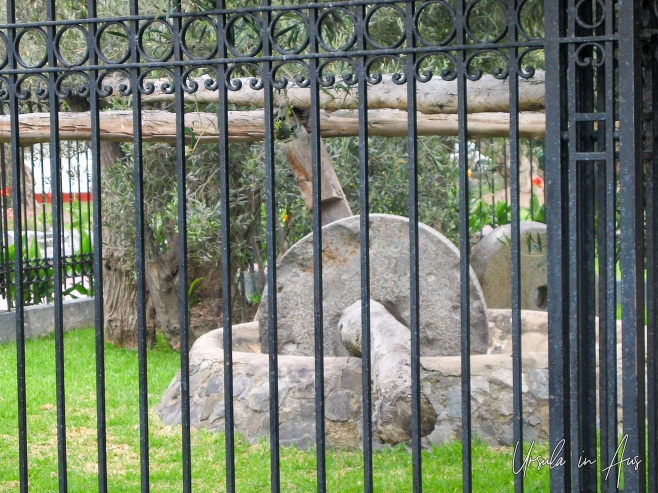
<point>538,182</point>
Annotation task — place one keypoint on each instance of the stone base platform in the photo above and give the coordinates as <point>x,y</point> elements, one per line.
<point>491,393</point>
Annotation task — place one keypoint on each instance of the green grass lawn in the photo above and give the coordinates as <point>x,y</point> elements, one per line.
<point>492,467</point>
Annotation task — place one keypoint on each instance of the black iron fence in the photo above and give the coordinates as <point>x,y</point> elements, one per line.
<point>37,224</point>
<point>167,100</point>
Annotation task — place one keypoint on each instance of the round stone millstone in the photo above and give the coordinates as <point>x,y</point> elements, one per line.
<point>491,261</point>
<point>439,283</point>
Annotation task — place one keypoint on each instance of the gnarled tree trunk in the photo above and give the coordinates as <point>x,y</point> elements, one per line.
<point>119,287</point>
<point>161,280</point>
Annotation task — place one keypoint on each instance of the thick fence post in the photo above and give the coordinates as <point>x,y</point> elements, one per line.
<point>631,180</point>
<point>581,184</point>
<point>556,208</point>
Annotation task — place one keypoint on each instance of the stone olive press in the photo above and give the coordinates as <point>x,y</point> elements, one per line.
<point>440,328</point>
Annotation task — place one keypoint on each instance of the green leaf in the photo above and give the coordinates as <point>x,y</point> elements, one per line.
<point>193,136</point>
<point>502,212</point>
<point>76,288</point>
<point>284,31</point>
<point>85,245</point>
<point>118,33</point>
<point>33,252</point>
<point>193,284</point>
<point>10,252</point>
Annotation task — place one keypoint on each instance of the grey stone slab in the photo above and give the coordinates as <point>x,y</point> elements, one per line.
<point>491,261</point>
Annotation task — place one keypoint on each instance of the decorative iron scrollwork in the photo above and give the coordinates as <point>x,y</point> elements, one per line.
<point>595,58</point>
<point>437,31</point>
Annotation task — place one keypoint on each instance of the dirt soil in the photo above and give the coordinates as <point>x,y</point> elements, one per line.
<point>207,315</point>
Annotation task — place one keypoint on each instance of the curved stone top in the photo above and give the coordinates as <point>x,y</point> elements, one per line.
<point>439,283</point>
<point>491,261</point>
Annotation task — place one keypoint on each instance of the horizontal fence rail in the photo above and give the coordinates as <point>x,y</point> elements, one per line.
<point>198,168</point>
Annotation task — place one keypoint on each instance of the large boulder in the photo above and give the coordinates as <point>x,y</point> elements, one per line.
<point>439,283</point>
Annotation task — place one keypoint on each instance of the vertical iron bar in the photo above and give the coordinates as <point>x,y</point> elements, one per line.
<point>6,285</point>
<point>606,224</point>
<point>492,184</point>
<point>58,243</point>
<point>610,334</point>
<point>14,110</point>
<point>138,170</point>
<point>79,202</point>
<point>90,197</point>
<point>586,328</point>
<point>651,221</point>
<point>44,201</point>
<point>632,251</point>
<point>183,281</point>
<point>602,253</point>
<point>69,257</point>
<point>23,213</point>
<point>65,167</point>
<point>225,206</point>
<point>558,255</point>
<point>573,229</point>
<point>23,159</point>
<point>414,295</point>
<point>506,179</point>
<point>651,110</point>
<point>650,133</point>
<point>364,225</point>
<point>464,251</point>
<point>99,313</point>
<point>90,215</point>
<point>517,370</point>
<point>271,251</point>
<point>24,197</point>
<point>478,163</point>
<point>532,190</point>
<point>34,199</point>
<point>5,289</point>
<point>316,160</point>
<point>575,295</point>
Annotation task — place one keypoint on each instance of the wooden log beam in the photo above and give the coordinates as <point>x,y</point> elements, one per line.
<point>437,96</point>
<point>333,203</point>
<point>248,126</point>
